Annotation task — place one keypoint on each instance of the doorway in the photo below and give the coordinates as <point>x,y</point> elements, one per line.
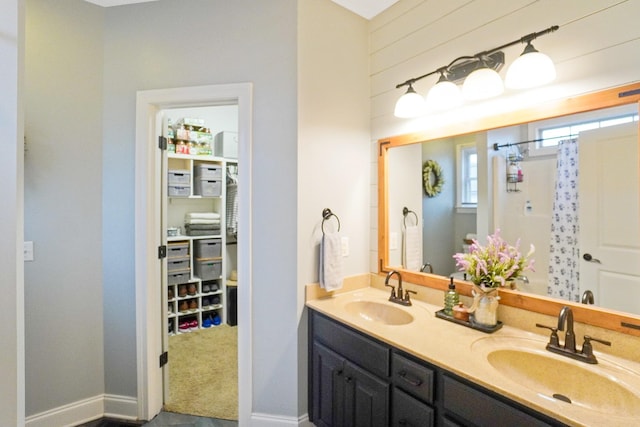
<point>151,325</point>
<point>199,231</point>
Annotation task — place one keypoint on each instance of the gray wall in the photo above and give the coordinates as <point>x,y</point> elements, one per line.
<point>11,216</point>
<point>63,206</point>
<point>179,43</point>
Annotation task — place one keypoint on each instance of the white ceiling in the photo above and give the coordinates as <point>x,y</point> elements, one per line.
<point>365,8</point>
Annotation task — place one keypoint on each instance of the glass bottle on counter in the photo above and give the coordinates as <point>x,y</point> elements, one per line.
<point>451,298</point>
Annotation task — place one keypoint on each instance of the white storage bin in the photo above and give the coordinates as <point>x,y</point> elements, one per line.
<point>226,145</point>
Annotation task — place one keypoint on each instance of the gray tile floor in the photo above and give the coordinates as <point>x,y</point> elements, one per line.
<point>170,419</point>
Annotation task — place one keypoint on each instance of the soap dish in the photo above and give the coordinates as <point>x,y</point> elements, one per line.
<point>470,323</point>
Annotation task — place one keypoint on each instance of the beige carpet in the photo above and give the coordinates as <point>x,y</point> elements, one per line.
<point>203,373</point>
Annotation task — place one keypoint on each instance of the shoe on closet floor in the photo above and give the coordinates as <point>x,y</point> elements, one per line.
<point>207,323</point>
<point>193,325</point>
<point>184,326</point>
<point>182,290</point>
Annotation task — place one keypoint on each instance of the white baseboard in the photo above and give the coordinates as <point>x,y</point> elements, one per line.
<point>267,420</point>
<point>86,410</point>
<point>122,407</point>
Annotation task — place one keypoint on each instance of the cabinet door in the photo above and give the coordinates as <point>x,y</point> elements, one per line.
<point>366,398</point>
<point>328,387</point>
<point>410,412</point>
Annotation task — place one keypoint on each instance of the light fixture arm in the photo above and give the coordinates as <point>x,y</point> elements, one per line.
<point>479,56</point>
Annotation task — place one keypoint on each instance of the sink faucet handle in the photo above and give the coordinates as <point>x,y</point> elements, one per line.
<point>393,290</point>
<point>407,297</point>
<point>587,348</point>
<point>553,339</point>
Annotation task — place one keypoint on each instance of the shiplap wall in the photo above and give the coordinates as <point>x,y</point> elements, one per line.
<point>595,48</point>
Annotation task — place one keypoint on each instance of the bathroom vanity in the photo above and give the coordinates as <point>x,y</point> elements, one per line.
<point>357,380</point>
<point>375,363</point>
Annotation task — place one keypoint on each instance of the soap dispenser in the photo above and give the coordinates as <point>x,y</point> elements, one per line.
<point>451,298</point>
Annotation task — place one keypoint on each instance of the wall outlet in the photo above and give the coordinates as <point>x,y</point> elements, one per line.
<point>28,251</point>
<point>345,246</point>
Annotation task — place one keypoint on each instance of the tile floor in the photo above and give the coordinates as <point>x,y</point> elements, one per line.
<point>170,419</point>
<point>165,419</point>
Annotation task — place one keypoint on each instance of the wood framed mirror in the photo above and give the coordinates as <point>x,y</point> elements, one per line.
<point>607,318</point>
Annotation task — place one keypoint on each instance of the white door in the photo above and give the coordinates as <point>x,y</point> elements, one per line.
<point>609,216</point>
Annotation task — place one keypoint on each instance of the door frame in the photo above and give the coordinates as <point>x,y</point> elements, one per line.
<point>148,236</point>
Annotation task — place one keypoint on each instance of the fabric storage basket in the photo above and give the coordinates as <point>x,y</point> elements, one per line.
<point>177,277</point>
<point>208,171</point>
<point>208,248</point>
<point>178,263</point>
<point>179,176</point>
<point>207,188</point>
<point>177,249</point>
<point>179,190</point>
<point>207,269</point>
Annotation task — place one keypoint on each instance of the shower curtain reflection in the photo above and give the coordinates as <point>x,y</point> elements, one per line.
<point>564,275</point>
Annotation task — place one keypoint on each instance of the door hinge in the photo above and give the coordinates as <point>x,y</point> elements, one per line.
<point>162,251</point>
<point>164,359</point>
<point>162,143</point>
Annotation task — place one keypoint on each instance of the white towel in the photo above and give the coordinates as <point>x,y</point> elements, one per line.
<point>412,248</point>
<point>202,215</point>
<point>201,221</point>
<point>331,261</point>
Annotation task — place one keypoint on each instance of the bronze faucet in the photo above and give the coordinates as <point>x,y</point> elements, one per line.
<point>566,316</point>
<point>402,297</point>
<point>569,348</point>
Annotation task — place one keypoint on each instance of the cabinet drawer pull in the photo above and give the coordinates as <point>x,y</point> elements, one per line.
<point>416,382</point>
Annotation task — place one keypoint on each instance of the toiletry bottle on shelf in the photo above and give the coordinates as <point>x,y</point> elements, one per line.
<point>451,298</point>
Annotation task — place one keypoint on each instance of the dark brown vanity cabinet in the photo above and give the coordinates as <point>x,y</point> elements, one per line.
<point>356,380</point>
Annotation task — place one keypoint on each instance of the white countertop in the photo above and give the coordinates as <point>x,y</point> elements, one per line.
<point>462,350</point>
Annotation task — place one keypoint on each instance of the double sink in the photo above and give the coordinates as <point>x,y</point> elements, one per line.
<point>520,360</point>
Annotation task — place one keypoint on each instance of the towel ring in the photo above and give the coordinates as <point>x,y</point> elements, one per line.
<point>326,214</point>
<point>405,212</point>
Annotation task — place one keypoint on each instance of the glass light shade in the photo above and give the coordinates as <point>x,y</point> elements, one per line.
<point>483,83</point>
<point>531,69</point>
<point>444,95</point>
<point>409,105</point>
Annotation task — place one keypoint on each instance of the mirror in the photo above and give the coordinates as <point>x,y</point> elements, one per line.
<point>496,205</point>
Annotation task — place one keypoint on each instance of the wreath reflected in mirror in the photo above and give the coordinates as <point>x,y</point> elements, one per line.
<point>432,178</point>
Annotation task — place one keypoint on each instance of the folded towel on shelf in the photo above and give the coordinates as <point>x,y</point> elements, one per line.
<point>201,221</point>
<point>412,248</point>
<point>203,226</point>
<point>202,232</point>
<point>330,273</point>
<point>202,215</point>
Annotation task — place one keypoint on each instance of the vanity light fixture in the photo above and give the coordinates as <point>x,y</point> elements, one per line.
<point>481,79</point>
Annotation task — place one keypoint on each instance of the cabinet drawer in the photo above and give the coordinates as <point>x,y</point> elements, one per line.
<point>361,350</point>
<point>408,411</point>
<point>412,377</point>
<point>482,410</point>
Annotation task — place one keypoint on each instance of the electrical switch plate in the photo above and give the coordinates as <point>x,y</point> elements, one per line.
<point>393,241</point>
<point>345,246</point>
<point>28,251</point>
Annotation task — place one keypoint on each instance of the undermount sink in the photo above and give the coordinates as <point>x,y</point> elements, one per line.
<point>606,387</point>
<point>379,312</point>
